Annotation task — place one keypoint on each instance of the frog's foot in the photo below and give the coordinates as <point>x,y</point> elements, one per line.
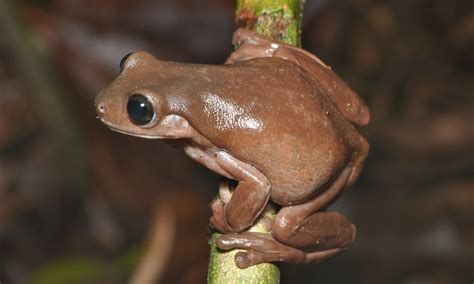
<point>262,248</point>
<point>251,50</point>
<point>251,45</point>
<point>218,220</point>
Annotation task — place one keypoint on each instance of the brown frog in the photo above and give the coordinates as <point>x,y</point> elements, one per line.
<point>275,119</point>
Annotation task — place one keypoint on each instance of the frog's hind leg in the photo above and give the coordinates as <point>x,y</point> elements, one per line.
<point>300,234</point>
<point>308,227</point>
<point>261,248</point>
<point>361,150</point>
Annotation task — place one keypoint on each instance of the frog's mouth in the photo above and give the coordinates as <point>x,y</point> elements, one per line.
<point>121,130</point>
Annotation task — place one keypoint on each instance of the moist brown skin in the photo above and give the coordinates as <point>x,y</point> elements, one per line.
<point>277,120</point>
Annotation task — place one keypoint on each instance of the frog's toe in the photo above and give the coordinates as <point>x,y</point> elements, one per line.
<point>261,248</point>
<point>245,259</point>
<point>218,220</point>
<point>246,240</point>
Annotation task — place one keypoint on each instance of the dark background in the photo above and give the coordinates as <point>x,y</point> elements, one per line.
<point>77,200</point>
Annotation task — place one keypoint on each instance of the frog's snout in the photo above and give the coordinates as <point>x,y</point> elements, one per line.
<point>102,114</point>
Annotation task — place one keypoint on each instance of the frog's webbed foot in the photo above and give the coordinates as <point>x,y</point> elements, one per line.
<point>250,50</point>
<point>262,248</point>
<point>251,45</point>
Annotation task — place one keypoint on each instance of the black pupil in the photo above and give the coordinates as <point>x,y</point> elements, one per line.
<point>140,109</point>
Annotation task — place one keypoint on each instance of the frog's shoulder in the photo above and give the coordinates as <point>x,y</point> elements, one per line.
<point>346,100</point>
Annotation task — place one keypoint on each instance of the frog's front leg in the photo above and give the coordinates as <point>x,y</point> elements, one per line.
<point>248,199</point>
<point>300,234</point>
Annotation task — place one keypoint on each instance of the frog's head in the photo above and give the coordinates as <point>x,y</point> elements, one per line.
<point>132,105</point>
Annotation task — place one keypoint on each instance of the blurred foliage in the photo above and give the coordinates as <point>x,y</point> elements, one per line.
<point>73,271</point>
<point>86,269</point>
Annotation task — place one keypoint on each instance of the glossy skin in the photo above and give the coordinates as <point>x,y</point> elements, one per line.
<point>275,119</point>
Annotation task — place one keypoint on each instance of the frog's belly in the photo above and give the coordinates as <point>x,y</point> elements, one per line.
<point>291,192</point>
<point>301,175</point>
<point>286,197</point>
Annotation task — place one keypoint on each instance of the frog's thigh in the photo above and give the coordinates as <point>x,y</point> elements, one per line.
<point>359,159</point>
<point>319,231</point>
<point>306,227</point>
<point>251,194</point>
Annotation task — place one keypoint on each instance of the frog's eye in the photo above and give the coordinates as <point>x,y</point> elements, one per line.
<point>124,59</point>
<point>140,110</point>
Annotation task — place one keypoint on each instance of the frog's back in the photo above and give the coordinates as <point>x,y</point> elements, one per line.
<point>282,123</point>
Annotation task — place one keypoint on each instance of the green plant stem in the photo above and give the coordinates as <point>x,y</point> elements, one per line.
<point>281,21</point>
<point>222,268</point>
<point>276,19</point>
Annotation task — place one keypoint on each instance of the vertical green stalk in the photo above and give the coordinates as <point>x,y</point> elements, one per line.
<point>281,21</point>
<point>276,19</point>
<point>222,268</point>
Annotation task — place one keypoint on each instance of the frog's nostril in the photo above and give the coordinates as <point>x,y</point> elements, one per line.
<point>101,108</point>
